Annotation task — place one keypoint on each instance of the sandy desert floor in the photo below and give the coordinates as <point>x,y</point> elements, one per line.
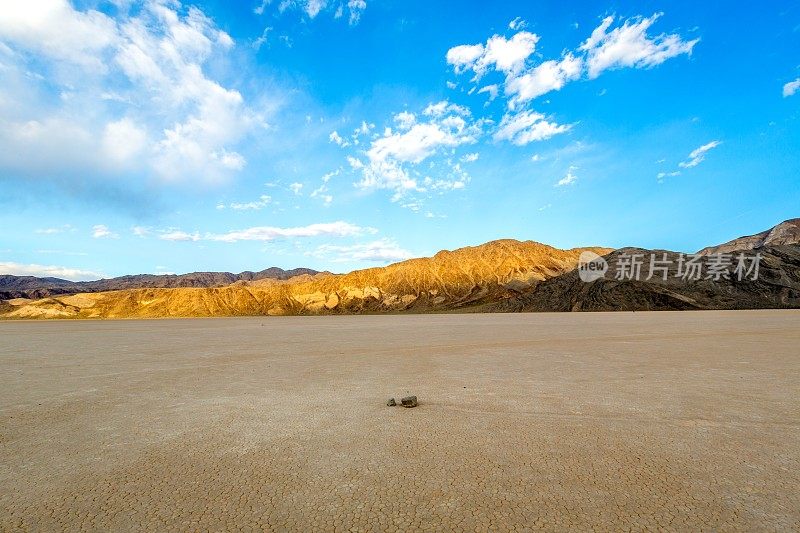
<point>680,421</point>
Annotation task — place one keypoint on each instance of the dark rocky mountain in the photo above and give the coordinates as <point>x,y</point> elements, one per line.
<point>33,287</point>
<point>777,286</point>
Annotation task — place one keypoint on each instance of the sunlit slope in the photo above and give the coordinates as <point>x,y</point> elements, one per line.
<point>450,280</point>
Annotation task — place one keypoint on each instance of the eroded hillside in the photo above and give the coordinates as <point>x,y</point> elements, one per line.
<point>450,280</point>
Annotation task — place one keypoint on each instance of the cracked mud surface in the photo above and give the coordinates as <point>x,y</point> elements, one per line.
<point>678,421</point>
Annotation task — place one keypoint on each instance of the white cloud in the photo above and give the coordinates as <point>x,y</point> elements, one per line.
<point>47,145</point>
<point>123,140</point>
<point>517,24</point>
<point>356,7</point>
<point>229,160</point>
<point>363,129</point>
<point>268,233</point>
<point>547,76</point>
<point>389,157</point>
<point>140,231</point>
<point>420,142</point>
<point>259,9</point>
<point>380,251</point>
<point>62,252</point>
<point>627,45</point>
<point>569,179</point>
<point>164,116</point>
<point>630,46</point>
<point>492,90</point>
<point>101,231</point>
<point>312,8</point>
<point>661,175</point>
<point>262,39</point>
<point>263,201</point>
<point>179,236</point>
<point>790,88</point>
<point>55,230</point>
<point>53,28</point>
<point>405,120</point>
<point>463,57</point>
<point>505,55</point>
<point>327,177</point>
<point>322,191</point>
<point>453,178</point>
<point>441,108</point>
<point>698,155</point>
<point>48,271</point>
<point>296,188</point>
<point>470,158</point>
<point>335,138</point>
<point>527,126</point>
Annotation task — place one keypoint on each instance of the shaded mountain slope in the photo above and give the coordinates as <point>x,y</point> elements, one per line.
<point>449,280</point>
<point>777,286</point>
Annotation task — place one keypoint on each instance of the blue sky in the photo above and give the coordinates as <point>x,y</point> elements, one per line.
<point>158,136</point>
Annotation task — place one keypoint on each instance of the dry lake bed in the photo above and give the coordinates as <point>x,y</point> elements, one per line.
<point>677,421</point>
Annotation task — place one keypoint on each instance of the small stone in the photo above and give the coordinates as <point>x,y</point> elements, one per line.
<point>391,402</point>
<point>409,401</point>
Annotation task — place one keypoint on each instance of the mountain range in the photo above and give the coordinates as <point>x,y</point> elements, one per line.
<point>499,276</point>
<point>33,287</point>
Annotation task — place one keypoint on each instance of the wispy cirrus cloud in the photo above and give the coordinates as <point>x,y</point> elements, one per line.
<point>526,127</point>
<point>255,233</point>
<point>698,155</point>
<point>55,230</point>
<point>350,10</point>
<point>179,236</point>
<point>569,179</point>
<point>263,201</point>
<point>790,88</point>
<point>269,233</point>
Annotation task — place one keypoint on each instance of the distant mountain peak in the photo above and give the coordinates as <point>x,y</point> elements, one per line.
<point>33,287</point>
<point>787,232</point>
